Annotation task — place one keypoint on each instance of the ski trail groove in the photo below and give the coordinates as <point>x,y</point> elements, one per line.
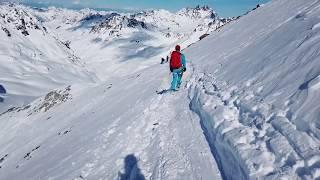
<point>182,151</point>
<point>249,140</point>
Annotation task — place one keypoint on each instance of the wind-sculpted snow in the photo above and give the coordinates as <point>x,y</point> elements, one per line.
<point>258,93</point>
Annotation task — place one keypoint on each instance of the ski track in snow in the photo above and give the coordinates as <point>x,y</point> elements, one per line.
<point>167,141</point>
<point>166,149</point>
<point>210,129</point>
<point>182,153</point>
<point>250,141</point>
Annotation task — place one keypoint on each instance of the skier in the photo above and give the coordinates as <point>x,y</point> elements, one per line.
<point>162,60</point>
<point>177,67</point>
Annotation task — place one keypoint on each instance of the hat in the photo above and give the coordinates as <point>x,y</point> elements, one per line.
<point>178,48</point>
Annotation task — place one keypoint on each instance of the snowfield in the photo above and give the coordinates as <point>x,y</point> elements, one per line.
<point>257,93</point>
<point>78,94</point>
<point>32,61</point>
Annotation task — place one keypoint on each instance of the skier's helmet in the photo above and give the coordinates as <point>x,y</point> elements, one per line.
<point>178,48</point>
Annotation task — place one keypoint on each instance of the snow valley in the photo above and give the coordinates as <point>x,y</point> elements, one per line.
<point>64,46</point>
<point>78,101</point>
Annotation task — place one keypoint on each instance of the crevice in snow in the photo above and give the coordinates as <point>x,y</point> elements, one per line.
<point>228,162</point>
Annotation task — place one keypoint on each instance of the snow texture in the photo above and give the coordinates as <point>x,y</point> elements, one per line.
<point>257,93</point>
<point>78,94</point>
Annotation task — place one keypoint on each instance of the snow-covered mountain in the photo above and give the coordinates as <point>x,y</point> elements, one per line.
<point>41,43</point>
<point>32,58</point>
<point>248,107</point>
<point>19,19</point>
<point>118,23</point>
<point>94,34</point>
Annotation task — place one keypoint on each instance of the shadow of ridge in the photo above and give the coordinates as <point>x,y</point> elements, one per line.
<point>146,52</point>
<point>131,169</point>
<point>2,90</point>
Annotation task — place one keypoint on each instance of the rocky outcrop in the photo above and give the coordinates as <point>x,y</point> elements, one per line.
<point>18,18</point>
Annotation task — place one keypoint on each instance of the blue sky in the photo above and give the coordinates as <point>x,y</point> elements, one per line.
<point>223,7</point>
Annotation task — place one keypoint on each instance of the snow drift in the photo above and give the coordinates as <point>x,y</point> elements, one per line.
<point>259,91</point>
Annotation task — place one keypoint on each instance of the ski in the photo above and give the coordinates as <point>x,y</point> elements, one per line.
<point>165,91</point>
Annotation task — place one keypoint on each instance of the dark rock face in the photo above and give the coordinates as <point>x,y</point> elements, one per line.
<point>203,36</point>
<point>199,12</point>
<point>3,159</point>
<point>16,109</point>
<point>2,90</point>
<point>22,27</point>
<point>19,19</point>
<point>116,22</point>
<point>91,17</point>
<point>53,98</point>
<point>108,23</point>
<point>67,44</point>
<point>213,15</point>
<point>28,155</point>
<point>226,20</point>
<point>6,31</point>
<point>135,23</point>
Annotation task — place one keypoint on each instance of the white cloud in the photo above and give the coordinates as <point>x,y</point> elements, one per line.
<point>76,2</point>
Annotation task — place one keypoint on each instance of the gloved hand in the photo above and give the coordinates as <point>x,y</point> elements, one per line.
<point>171,69</point>
<point>184,69</point>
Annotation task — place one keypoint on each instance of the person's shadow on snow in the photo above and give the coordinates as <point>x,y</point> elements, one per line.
<point>2,91</point>
<point>132,171</point>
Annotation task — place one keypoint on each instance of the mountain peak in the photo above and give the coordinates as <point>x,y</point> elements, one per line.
<point>198,12</point>
<point>17,16</point>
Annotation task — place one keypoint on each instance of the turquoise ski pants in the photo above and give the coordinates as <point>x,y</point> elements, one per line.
<point>176,78</point>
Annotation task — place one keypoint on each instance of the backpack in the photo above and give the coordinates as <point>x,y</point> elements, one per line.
<point>175,61</point>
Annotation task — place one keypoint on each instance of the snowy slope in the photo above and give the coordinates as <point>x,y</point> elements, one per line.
<point>121,40</point>
<point>70,130</point>
<point>247,109</point>
<point>44,49</point>
<point>122,119</point>
<point>259,92</point>
<point>32,58</point>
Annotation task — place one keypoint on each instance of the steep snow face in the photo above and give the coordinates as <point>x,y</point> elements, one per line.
<point>32,58</point>
<point>259,91</point>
